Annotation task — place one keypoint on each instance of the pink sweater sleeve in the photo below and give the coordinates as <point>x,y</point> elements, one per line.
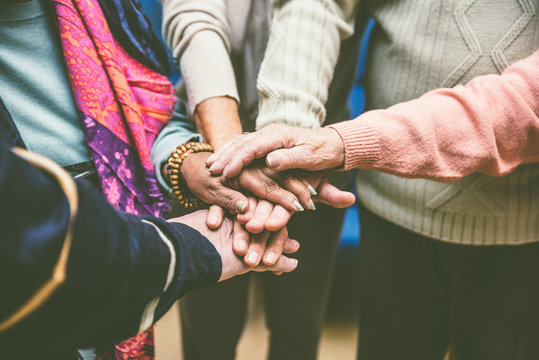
<point>490,125</point>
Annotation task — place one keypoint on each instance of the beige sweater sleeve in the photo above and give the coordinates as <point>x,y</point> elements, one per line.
<point>300,58</point>
<point>198,35</point>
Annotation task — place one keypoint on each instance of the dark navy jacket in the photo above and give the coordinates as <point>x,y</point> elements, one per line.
<point>117,264</point>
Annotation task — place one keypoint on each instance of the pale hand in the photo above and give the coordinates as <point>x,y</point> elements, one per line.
<point>285,147</point>
<point>222,238</point>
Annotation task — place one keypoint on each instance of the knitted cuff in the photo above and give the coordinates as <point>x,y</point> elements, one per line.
<point>361,146</point>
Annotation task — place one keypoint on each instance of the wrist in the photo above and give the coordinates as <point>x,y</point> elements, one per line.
<point>218,120</point>
<point>193,163</point>
<point>334,147</point>
<point>174,168</point>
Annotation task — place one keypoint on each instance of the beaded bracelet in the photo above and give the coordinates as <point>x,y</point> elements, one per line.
<point>174,164</point>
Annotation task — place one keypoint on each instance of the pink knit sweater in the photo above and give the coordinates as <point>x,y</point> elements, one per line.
<point>490,125</point>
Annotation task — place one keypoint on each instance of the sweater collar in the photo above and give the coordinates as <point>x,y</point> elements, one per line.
<point>22,11</point>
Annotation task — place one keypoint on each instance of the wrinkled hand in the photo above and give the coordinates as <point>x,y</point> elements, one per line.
<point>261,227</point>
<point>285,147</point>
<point>264,215</point>
<point>222,240</point>
<point>265,246</point>
<point>262,236</point>
<point>286,189</point>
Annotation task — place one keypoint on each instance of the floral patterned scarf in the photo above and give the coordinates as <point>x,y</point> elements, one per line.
<point>123,106</point>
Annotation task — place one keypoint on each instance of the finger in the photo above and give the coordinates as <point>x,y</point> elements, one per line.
<point>291,246</point>
<point>215,217</point>
<point>278,219</point>
<point>256,249</point>
<point>312,180</point>
<point>330,195</point>
<point>221,152</point>
<point>284,264</point>
<point>261,214</point>
<point>240,242</point>
<point>266,188</point>
<point>229,160</point>
<point>232,200</point>
<point>243,149</point>
<point>298,187</point>
<point>248,215</point>
<point>275,246</point>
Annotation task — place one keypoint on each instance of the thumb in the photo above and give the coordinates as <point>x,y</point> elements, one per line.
<point>283,264</point>
<point>215,216</point>
<point>232,200</point>
<point>295,158</point>
<point>333,196</point>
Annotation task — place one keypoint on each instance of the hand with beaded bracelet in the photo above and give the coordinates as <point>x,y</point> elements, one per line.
<point>190,177</point>
<point>186,166</point>
<point>173,168</point>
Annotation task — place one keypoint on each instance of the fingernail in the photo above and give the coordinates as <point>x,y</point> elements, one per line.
<point>271,257</point>
<point>294,262</point>
<point>212,221</point>
<point>298,206</point>
<point>225,171</point>
<point>273,162</point>
<point>240,206</point>
<point>213,166</point>
<point>312,190</point>
<point>242,245</point>
<point>311,205</point>
<point>252,257</point>
<point>210,159</point>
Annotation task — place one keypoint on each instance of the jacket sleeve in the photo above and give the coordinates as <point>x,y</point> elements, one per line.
<point>119,274</point>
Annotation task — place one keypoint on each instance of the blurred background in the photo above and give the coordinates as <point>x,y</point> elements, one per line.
<point>340,330</point>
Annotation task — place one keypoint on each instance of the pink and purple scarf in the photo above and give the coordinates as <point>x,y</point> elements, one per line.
<point>123,106</point>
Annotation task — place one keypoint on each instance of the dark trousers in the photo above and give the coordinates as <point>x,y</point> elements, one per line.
<point>420,297</point>
<point>213,318</point>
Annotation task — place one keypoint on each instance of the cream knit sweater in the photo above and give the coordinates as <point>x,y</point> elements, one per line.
<point>205,35</point>
<point>419,46</point>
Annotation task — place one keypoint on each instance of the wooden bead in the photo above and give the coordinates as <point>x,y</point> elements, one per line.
<point>173,167</point>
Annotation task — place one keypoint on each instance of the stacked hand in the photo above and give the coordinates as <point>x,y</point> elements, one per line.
<point>221,239</point>
<point>285,147</point>
<point>261,198</point>
<point>263,201</point>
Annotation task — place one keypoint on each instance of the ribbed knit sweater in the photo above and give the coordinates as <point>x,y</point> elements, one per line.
<point>419,46</point>
<point>206,36</point>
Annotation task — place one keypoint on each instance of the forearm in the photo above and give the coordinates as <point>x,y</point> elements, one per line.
<point>489,125</point>
<point>131,272</point>
<point>198,35</point>
<point>300,59</point>
<point>113,264</point>
<point>218,120</point>
<point>178,131</point>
